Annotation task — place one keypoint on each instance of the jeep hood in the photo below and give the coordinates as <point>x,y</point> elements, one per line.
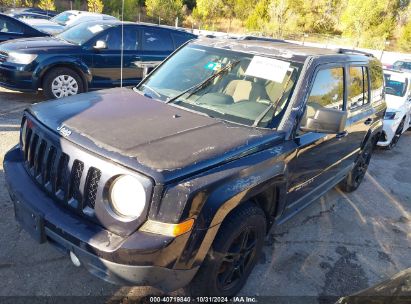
<point>160,139</point>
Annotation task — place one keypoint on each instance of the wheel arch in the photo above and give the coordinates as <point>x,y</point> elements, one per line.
<point>268,195</point>
<point>77,67</point>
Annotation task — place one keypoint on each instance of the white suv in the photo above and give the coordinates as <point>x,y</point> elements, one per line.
<point>398,98</point>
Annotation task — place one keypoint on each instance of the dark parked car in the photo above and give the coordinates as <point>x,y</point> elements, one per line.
<point>11,28</point>
<point>34,10</point>
<point>178,181</point>
<point>86,57</point>
<point>28,15</point>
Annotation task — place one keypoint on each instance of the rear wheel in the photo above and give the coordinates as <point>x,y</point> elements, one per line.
<point>397,135</point>
<point>233,255</point>
<point>62,82</point>
<point>355,177</point>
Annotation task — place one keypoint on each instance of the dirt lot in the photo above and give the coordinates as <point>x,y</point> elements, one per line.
<point>339,245</point>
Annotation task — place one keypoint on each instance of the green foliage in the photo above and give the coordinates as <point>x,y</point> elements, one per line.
<point>47,5</point>
<point>259,17</point>
<point>243,8</point>
<point>404,42</point>
<point>168,10</point>
<point>363,23</point>
<point>369,22</point>
<point>95,6</point>
<point>131,8</point>
<point>207,10</point>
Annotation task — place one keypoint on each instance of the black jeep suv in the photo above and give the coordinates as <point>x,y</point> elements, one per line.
<point>177,181</point>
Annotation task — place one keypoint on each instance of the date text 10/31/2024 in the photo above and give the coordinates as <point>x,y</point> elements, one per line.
<point>170,299</point>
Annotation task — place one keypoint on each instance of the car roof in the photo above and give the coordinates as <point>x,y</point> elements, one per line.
<point>403,60</point>
<point>279,48</point>
<point>85,13</point>
<point>152,25</point>
<point>398,74</point>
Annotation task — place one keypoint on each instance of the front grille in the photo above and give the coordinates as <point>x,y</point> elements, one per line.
<point>93,178</point>
<point>59,175</point>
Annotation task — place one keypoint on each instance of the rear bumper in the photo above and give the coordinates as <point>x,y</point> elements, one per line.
<point>104,254</point>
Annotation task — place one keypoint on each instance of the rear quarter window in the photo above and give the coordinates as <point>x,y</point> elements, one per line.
<point>180,38</point>
<point>157,40</point>
<point>377,80</point>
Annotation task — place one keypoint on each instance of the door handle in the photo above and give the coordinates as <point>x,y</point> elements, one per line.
<point>368,121</point>
<point>341,134</point>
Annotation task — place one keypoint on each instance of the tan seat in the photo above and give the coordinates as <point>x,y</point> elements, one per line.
<point>242,90</point>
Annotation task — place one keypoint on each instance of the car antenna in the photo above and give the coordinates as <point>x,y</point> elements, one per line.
<point>122,44</point>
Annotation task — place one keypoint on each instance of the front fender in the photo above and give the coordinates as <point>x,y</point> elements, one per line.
<point>71,62</point>
<point>210,197</point>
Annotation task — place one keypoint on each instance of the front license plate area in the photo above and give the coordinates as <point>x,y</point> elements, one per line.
<point>30,220</point>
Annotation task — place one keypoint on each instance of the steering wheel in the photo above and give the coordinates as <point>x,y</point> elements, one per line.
<point>390,91</point>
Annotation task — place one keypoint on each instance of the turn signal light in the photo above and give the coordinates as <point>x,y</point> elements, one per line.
<point>166,228</point>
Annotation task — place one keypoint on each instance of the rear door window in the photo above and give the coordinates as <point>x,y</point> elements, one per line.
<point>358,87</point>
<point>131,38</point>
<point>8,26</point>
<point>157,40</point>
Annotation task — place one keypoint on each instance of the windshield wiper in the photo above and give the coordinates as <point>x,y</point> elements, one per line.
<point>273,104</point>
<point>194,89</point>
<point>150,88</point>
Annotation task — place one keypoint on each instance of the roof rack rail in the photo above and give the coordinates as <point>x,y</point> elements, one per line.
<point>351,51</point>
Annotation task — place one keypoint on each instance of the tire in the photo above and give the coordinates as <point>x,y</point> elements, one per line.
<point>233,255</point>
<point>355,177</point>
<point>397,135</point>
<point>61,82</point>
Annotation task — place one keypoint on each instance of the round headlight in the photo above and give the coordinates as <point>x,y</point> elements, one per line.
<point>127,196</point>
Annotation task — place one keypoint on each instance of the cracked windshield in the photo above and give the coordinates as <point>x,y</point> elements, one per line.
<point>237,87</point>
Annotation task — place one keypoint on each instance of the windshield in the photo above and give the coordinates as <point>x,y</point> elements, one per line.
<point>402,65</point>
<point>83,32</point>
<point>234,86</point>
<point>394,86</point>
<point>63,18</point>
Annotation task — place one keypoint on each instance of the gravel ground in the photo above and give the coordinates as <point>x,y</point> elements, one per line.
<point>340,244</point>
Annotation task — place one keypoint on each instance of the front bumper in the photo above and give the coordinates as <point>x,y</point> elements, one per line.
<point>17,78</point>
<point>104,254</point>
<point>389,129</point>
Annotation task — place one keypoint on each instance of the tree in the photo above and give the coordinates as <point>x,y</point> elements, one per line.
<point>47,5</point>
<point>208,10</point>
<point>95,6</point>
<point>167,10</point>
<point>283,17</point>
<point>404,42</point>
<point>228,11</point>
<point>368,22</point>
<point>243,8</point>
<point>259,16</point>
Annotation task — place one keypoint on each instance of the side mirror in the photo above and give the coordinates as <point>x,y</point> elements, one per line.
<point>100,45</point>
<point>325,120</point>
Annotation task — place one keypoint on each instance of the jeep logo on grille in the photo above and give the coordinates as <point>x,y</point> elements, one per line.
<point>64,131</point>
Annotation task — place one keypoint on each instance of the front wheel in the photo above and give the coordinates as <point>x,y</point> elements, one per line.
<point>233,255</point>
<point>355,177</point>
<point>397,135</point>
<point>62,82</point>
